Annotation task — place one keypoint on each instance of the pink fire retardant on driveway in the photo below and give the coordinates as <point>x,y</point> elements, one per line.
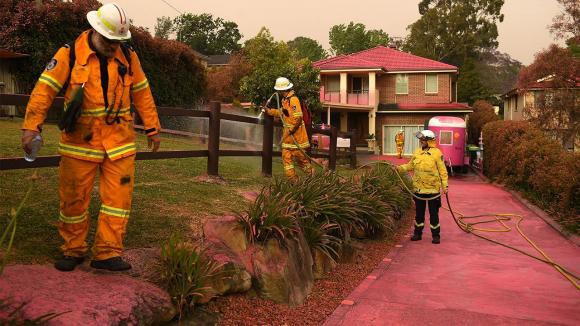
<point>469,281</point>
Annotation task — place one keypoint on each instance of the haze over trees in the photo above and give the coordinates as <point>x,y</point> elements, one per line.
<point>354,37</point>
<point>203,33</point>
<point>308,48</point>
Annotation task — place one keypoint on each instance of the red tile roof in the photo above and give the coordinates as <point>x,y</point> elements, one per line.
<point>397,107</point>
<point>383,58</point>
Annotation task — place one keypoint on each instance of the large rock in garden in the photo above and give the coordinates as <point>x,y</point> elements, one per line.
<point>84,297</point>
<point>231,278</point>
<point>280,272</point>
<point>322,264</point>
<point>283,271</point>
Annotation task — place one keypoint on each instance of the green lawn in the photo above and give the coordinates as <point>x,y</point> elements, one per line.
<point>167,197</point>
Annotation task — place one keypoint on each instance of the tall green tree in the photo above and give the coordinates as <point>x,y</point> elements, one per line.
<point>206,34</point>
<point>308,48</point>
<point>454,30</point>
<point>270,59</point>
<point>355,37</point>
<point>163,27</point>
<point>469,84</point>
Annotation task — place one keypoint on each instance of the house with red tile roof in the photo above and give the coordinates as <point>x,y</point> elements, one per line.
<point>380,91</point>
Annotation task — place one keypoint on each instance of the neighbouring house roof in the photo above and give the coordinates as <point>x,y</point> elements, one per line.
<point>6,54</point>
<point>218,60</point>
<point>424,107</point>
<point>543,83</point>
<point>383,58</point>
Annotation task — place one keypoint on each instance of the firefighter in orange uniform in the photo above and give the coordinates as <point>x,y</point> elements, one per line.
<point>110,75</point>
<point>400,142</point>
<point>294,136</point>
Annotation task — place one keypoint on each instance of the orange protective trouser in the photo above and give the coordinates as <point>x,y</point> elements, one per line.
<point>288,158</point>
<point>400,150</point>
<point>115,189</point>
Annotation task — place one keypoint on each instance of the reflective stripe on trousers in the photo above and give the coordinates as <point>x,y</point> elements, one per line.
<point>77,179</point>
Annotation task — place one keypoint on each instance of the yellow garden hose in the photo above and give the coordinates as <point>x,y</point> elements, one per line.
<point>501,219</point>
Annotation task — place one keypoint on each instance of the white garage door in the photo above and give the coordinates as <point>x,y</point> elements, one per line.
<point>411,142</point>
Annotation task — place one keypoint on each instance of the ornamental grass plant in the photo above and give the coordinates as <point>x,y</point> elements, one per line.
<point>327,209</point>
<point>185,272</point>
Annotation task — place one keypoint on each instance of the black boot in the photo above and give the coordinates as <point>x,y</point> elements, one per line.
<point>68,263</point>
<point>113,264</point>
<point>436,239</point>
<point>417,235</point>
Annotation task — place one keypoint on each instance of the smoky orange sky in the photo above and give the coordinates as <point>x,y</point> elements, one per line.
<point>523,32</point>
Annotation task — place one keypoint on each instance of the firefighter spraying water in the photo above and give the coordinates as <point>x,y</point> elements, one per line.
<point>294,137</point>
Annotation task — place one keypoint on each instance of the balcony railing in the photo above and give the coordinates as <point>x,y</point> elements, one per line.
<point>358,98</point>
<point>330,97</point>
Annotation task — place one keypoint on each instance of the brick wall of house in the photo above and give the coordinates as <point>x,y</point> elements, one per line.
<point>386,86</point>
<point>407,119</point>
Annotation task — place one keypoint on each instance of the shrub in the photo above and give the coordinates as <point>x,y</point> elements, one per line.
<point>185,271</point>
<point>174,72</point>
<point>525,159</point>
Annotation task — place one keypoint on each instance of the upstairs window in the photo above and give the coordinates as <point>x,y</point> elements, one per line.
<point>402,84</point>
<point>431,84</point>
<point>359,85</point>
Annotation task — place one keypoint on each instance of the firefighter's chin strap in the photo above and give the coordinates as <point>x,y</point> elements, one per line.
<point>281,114</point>
<point>471,228</point>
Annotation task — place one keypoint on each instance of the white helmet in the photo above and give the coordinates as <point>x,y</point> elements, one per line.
<point>282,84</point>
<point>111,22</point>
<point>425,135</point>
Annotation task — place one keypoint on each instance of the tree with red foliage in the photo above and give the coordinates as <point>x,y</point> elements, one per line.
<point>483,112</point>
<point>224,82</point>
<point>553,79</point>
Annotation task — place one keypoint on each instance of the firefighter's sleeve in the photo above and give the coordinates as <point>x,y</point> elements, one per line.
<point>47,87</point>
<point>143,98</point>
<point>407,167</point>
<point>442,170</point>
<point>294,121</point>
<point>273,112</point>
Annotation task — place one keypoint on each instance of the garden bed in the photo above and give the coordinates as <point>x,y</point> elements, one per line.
<point>326,295</point>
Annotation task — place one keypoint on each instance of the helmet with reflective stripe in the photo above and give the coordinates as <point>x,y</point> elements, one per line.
<point>425,135</point>
<point>111,22</point>
<point>282,84</point>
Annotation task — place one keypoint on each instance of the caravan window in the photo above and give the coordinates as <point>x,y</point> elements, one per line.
<point>446,137</point>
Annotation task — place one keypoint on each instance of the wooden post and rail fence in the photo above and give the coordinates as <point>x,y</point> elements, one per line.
<point>213,152</point>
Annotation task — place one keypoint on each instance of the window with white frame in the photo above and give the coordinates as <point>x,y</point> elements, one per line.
<point>431,84</point>
<point>402,84</point>
<point>445,137</point>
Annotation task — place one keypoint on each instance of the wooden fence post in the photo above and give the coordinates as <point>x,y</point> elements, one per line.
<point>213,143</point>
<point>267,144</point>
<point>332,148</point>
<point>353,140</point>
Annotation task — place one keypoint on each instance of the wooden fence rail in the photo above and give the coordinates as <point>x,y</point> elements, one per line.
<point>213,151</point>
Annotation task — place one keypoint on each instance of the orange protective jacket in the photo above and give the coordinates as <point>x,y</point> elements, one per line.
<point>95,135</point>
<point>293,122</point>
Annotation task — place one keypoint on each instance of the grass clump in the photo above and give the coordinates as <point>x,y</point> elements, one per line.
<point>185,272</point>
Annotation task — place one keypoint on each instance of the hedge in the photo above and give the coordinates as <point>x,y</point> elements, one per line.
<point>174,73</point>
<point>525,159</point>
